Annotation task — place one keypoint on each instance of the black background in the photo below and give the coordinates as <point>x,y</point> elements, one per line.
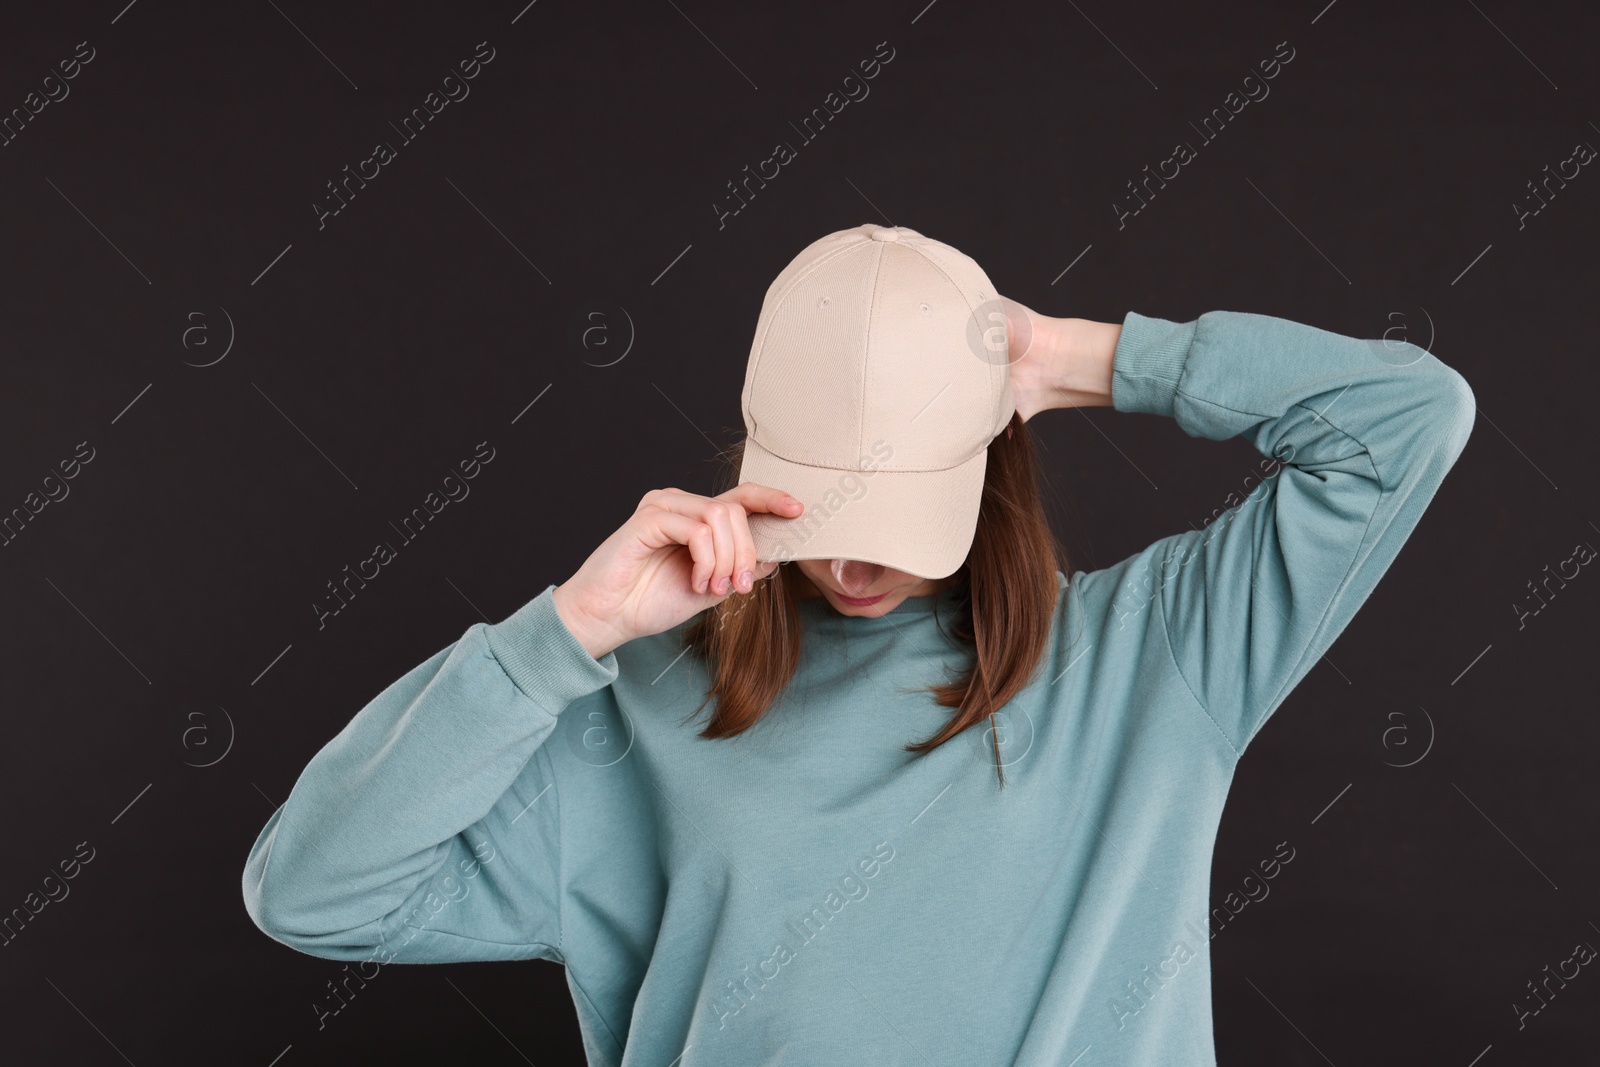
<point>159,617</point>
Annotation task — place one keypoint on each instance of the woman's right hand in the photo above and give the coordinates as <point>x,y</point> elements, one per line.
<point>678,554</point>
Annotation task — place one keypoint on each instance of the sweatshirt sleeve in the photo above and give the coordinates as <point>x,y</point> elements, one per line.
<point>429,829</point>
<point>1359,436</point>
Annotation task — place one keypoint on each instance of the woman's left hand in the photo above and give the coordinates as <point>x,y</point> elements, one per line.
<point>1031,356</point>
<point>1058,363</point>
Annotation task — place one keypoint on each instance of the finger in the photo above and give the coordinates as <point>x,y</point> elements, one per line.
<point>744,561</point>
<point>718,514</point>
<point>748,496</point>
<point>662,527</point>
<point>753,496</point>
<point>671,499</point>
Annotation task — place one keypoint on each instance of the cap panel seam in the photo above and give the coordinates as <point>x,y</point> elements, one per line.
<point>771,318</point>
<point>994,390</point>
<point>866,360</point>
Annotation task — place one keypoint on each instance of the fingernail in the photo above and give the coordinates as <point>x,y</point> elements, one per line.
<point>746,580</point>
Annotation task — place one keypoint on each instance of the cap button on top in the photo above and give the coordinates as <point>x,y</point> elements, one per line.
<point>885,233</point>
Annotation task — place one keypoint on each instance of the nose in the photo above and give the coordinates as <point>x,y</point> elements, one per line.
<point>855,575</point>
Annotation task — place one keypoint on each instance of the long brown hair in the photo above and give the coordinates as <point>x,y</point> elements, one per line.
<point>1004,596</point>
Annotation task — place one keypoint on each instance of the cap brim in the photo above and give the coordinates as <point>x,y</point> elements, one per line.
<point>920,522</point>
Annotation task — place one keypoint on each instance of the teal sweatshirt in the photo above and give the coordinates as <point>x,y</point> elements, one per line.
<point>809,893</point>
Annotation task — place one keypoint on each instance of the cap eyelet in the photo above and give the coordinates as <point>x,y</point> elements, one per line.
<point>924,308</point>
<point>824,302</point>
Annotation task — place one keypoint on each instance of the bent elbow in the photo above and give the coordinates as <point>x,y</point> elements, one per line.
<point>278,903</point>
<point>1457,412</point>
<point>277,914</point>
<point>270,906</point>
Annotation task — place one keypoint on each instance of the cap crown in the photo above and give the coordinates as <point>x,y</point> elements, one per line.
<point>872,349</point>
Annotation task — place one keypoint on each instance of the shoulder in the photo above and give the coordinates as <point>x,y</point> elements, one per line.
<point>1124,596</point>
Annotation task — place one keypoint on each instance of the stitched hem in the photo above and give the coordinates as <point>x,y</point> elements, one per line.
<point>561,853</point>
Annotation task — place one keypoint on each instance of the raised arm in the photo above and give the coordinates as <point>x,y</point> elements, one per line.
<point>427,830</point>
<point>1358,437</point>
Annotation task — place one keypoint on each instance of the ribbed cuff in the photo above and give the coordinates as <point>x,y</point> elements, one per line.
<point>1148,363</point>
<point>544,658</point>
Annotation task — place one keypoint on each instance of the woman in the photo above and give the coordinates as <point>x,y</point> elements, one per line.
<point>834,865</point>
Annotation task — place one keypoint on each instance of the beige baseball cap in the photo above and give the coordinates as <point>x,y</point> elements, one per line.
<point>878,376</point>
